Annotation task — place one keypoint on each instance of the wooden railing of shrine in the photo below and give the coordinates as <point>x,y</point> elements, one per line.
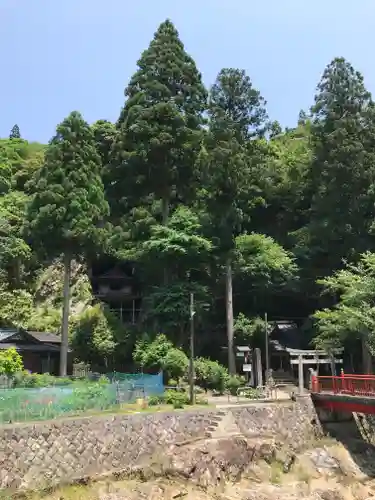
<point>348,384</point>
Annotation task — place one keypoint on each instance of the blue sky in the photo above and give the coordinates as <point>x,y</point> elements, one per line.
<point>60,56</point>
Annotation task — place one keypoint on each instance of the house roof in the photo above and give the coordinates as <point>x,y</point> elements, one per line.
<point>285,334</point>
<point>46,337</point>
<point>38,341</point>
<point>7,332</point>
<point>243,348</point>
<point>32,347</point>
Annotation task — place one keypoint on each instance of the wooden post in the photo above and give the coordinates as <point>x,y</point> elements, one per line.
<point>342,380</point>
<point>300,375</point>
<point>258,362</point>
<point>266,350</point>
<point>333,365</point>
<point>252,372</point>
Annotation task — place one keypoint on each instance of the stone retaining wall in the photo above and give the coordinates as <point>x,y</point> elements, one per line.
<point>49,453</point>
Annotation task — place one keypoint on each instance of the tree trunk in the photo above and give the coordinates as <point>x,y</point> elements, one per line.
<point>65,316</point>
<point>230,322</point>
<point>165,210</point>
<point>165,217</point>
<point>366,357</point>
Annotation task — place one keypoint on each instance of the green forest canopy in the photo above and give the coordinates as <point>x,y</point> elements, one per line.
<point>206,193</point>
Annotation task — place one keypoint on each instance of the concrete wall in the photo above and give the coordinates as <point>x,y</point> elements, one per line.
<point>49,453</point>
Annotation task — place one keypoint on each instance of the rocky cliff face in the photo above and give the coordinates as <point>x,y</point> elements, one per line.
<point>236,468</point>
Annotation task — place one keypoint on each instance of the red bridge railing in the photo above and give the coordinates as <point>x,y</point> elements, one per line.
<point>353,385</point>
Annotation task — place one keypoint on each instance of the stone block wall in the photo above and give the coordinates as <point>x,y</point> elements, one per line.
<point>49,453</point>
<point>290,423</point>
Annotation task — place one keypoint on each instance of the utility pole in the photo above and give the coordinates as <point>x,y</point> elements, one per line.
<point>267,347</point>
<point>191,364</point>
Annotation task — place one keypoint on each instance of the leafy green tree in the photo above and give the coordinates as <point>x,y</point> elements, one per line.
<point>231,158</point>
<point>342,170</point>
<point>275,129</point>
<point>96,337</point>
<point>104,135</point>
<point>5,177</point>
<point>160,354</point>
<point>260,265</point>
<point>159,128</point>
<point>287,201</point>
<point>246,328</point>
<point>302,118</point>
<point>181,248</point>
<point>16,306</point>
<point>14,251</point>
<point>353,316</point>
<point>210,374</point>
<point>19,160</point>
<point>68,207</point>
<point>150,355</point>
<point>175,364</point>
<point>262,259</point>
<point>15,132</point>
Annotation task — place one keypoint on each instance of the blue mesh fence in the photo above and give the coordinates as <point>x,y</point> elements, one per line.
<point>24,404</point>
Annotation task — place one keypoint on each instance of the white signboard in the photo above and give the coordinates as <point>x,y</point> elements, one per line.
<point>246,368</point>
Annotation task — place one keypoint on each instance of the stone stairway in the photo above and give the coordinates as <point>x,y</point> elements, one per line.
<point>284,378</point>
<point>223,426</point>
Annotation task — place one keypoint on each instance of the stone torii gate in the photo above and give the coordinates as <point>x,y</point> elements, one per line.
<point>317,357</point>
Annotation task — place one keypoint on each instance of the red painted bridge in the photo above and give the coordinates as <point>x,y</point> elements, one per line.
<point>344,393</point>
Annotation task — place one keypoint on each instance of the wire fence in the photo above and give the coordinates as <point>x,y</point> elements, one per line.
<point>26,404</point>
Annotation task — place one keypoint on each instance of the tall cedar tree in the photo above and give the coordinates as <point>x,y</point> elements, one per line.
<point>104,135</point>
<point>159,128</point>
<point>343,166</point>
<point>15,132</point>
<point>237,116</point>
<point>69,206</point>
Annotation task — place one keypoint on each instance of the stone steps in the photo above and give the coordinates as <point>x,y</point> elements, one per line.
<point>224,426</point>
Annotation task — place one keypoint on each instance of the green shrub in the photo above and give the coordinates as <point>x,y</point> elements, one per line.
<point>160,354</point>
<point>210,374</point>
<point>27,379</point>
<point>233,383</point>
<point>251,393</point>
<point>176,399</point>
<point>103,380</point>
<point>92,395</point>
<point>150,355</point>
<point>175,363</point>
<point>155,400</point>
<point>10,362</point>
<point>172,383</point>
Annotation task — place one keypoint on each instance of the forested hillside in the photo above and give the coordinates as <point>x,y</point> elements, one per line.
<point>206,194</point>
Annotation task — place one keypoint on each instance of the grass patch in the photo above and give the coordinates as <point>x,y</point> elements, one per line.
<point>125,409</point>
<point>276,472</point>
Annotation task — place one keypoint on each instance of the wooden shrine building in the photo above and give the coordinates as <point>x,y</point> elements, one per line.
<point>116,283</point>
